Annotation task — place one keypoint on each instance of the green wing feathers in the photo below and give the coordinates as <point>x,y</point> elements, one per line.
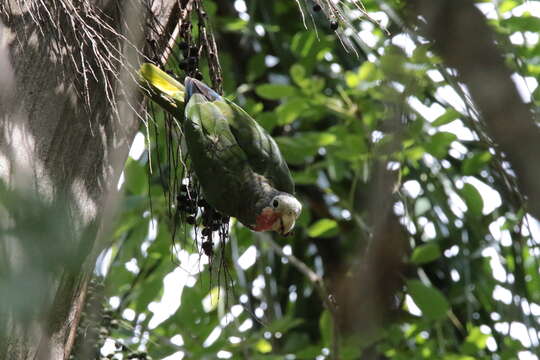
<point>260,148</point>
<point>215,154</point>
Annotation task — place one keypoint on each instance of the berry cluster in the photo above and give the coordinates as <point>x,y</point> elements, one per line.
<point>187,203</point>
<point>198,212</point>
<point>190,63</point>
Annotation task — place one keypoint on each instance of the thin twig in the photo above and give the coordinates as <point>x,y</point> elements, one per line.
<point>327,297</point>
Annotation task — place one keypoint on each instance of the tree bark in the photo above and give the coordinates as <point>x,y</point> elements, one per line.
<point>68,104</point>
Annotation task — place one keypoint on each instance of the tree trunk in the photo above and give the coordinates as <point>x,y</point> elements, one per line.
<point>67,97</point>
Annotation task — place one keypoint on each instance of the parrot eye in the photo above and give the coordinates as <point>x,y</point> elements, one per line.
<point>275,203</point>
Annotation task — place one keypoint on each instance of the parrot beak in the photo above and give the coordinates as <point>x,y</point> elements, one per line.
<point>287,222</point>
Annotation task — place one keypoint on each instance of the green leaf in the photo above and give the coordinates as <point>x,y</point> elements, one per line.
<point>368,72</point>
<point>151,291</point>
<point>507,5</point>
<point>309,352</point>
<point>350,145</point>
<point>298,74</point>
<point>425,253</point>
<point>325,325</point>
<point>522,23</point>
<point>235,25</point>
<point>458,357</point>
<point>284,324</point>
<point>414,153</point>
<point>303,43</point>
<point>449,116</point>
<point>351,79</point>
<point>297,149</point>
<point>314,86</point>
<point>473,199</point>
<point>275,91</point>
<point>291,110</point>
<point>309,49</point>
<point>263,346</point>
<point>438,144</point>
<point>268,120</point>
<point>256,67</point>
<point>421,54</point>
<point>431,301</point>
<point>296,342</point>
<point>306,177</point>
<point>136,178</point>
<point>473,164</point>
<point>323,228</point>
<point>476,340</point>
<point>211,300</point>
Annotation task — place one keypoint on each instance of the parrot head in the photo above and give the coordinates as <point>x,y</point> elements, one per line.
<point>279,215</point>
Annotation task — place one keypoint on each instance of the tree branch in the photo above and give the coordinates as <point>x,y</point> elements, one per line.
<point>327,298</point>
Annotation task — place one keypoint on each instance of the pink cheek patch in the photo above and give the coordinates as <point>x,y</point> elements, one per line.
<point>265,220</point>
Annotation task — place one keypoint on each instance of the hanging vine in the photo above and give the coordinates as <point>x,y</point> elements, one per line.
<point>195,52</point>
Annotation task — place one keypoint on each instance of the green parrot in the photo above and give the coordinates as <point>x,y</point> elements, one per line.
<point>238,164</point>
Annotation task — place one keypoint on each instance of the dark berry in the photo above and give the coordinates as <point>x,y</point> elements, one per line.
<point>317,8</point>
<point>208,248</point>
<point>202,203</point>
<point>206,231</point>
<point>334,25</point>
<point>191,220</point>
<point>183,188</point>
<point>198,75</point>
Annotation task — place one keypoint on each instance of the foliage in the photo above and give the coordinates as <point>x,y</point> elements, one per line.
<point>472,289</point>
